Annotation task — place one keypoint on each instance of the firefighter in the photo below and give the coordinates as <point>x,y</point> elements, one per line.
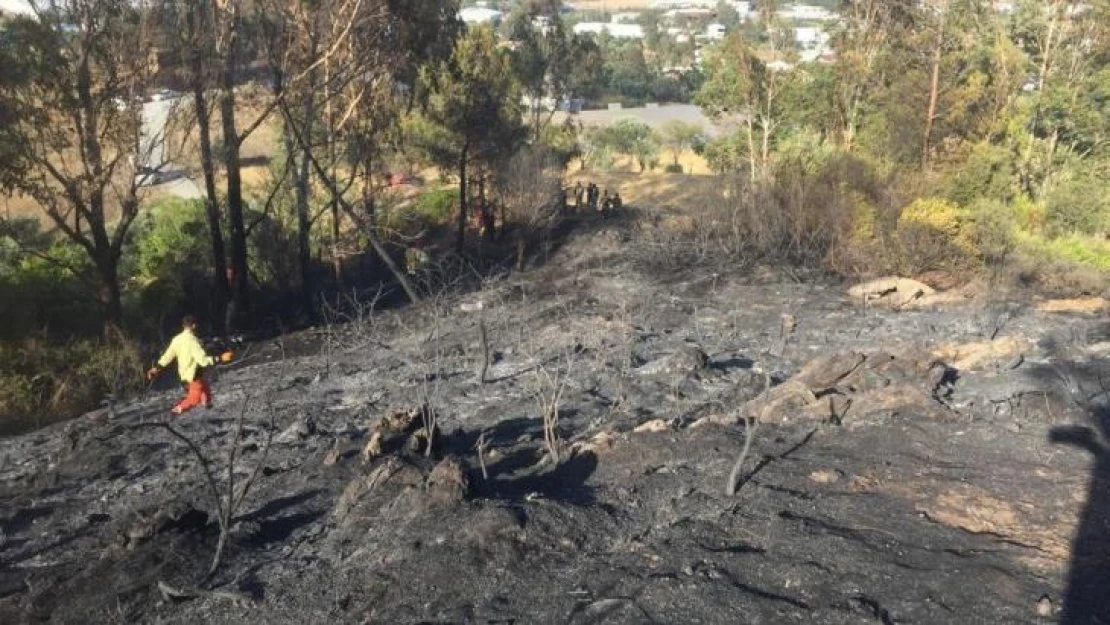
<point>192,360</point>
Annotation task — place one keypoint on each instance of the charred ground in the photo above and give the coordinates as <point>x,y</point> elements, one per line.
<point>884,490</point>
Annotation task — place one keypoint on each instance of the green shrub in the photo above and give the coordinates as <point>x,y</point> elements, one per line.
<point>1077,206</point>
<point>43,381</point>
<point>988,173</point>
<point>434,206</point>
<point>673,168</point>
<point>994,231</point>
<point>171,241</point>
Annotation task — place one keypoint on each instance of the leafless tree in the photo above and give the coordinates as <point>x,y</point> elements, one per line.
<point>529,186</point>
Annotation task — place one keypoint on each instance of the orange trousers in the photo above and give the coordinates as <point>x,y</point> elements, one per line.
<point>197,394</point>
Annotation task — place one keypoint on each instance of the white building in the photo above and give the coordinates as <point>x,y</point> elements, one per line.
<point>813,42</point>
<point>807,12</point>
<point>715,32</point>
<point>480,15</point>
<point>618,31</point>
<point>683,4</point>
<point>629,17</point>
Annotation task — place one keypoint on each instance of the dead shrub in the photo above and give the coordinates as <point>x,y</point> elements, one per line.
<point>529,186</point>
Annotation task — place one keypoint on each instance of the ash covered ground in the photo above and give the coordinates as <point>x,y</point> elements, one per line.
<point>938,462</point>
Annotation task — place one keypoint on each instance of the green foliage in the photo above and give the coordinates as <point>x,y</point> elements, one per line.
<point>934,234</point>
<point>562,141</point>
<point>631,137</point>
<point>1078,205</point>
<point>679,136</point>
<point>987,173</point>
<point>628,71</point>
<point>995,229</point>
<point>435,206</point>
<point>44,284</point>
<point>672,168</point>
<point>43,380</point>
<point>476,109</point>
<point>171,241</point>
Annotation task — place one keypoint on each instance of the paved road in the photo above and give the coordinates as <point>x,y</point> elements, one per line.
<point>653,116</point>
<point>152,147</point>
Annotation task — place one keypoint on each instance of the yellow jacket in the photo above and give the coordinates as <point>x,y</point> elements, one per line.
<point>189,353</point>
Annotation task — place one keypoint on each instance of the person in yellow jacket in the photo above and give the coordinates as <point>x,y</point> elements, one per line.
<point>191,359</point>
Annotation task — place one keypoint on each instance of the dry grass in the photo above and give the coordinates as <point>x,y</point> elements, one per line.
<point>660,192</point>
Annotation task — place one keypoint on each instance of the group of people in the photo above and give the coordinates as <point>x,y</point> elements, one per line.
<point>590,197</point>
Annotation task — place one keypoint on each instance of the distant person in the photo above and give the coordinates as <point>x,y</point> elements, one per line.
<point>578,193</point>
<point>563,201</point>
<point>617,202</point>
<point>192,360</point>
<point>591,197</point>
<point>605,202</point>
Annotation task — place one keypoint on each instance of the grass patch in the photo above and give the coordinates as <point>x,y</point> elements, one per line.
<point>1079,249</point>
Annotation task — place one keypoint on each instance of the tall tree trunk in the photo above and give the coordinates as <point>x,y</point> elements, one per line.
<point>301,192</point>
<point>211,203</point>
<point>108,290</point>
<point>934,86</point>
<point>240,279</point>
<point>751,149</point>
<point>460,236</point>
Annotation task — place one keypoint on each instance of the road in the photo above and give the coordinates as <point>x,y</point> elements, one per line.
<point>653,116</point>
<point>152,149</point>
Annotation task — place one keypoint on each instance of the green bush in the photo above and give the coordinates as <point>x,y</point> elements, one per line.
<point>934,234</point>
<point>43,381</point>
<point>994,232</point>
<point>1077,206</point>
<point>44,285</point>
<point>171,241</point>
<point>673,168</point>
<point>435,206</point>
<point>988,173</point>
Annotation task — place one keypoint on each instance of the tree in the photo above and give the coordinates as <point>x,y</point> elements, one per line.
<point>863,37</point>
<point>79,142</point>
<point>628,71</point>
<point>739,83</point>
<point>631,137</point>
<point>475,112</point>
<point>680,136</point>
<point>358,66</point>
<point>188,28</point>
<point>549,61</point>
<point>728,16</point>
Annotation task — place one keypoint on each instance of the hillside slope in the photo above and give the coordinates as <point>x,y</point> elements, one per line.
<point>925,465</point>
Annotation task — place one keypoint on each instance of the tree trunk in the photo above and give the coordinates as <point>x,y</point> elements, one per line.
<point>934,87</point>
<point>375,242</point>
<point>751,150</point>
<point>239,265</point>
<point>211,205</point>
<point>108,290</point>
<point>301,192</point>
<point>460,237</point>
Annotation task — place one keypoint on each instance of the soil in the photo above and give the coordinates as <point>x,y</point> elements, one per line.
<point>952,495</point>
